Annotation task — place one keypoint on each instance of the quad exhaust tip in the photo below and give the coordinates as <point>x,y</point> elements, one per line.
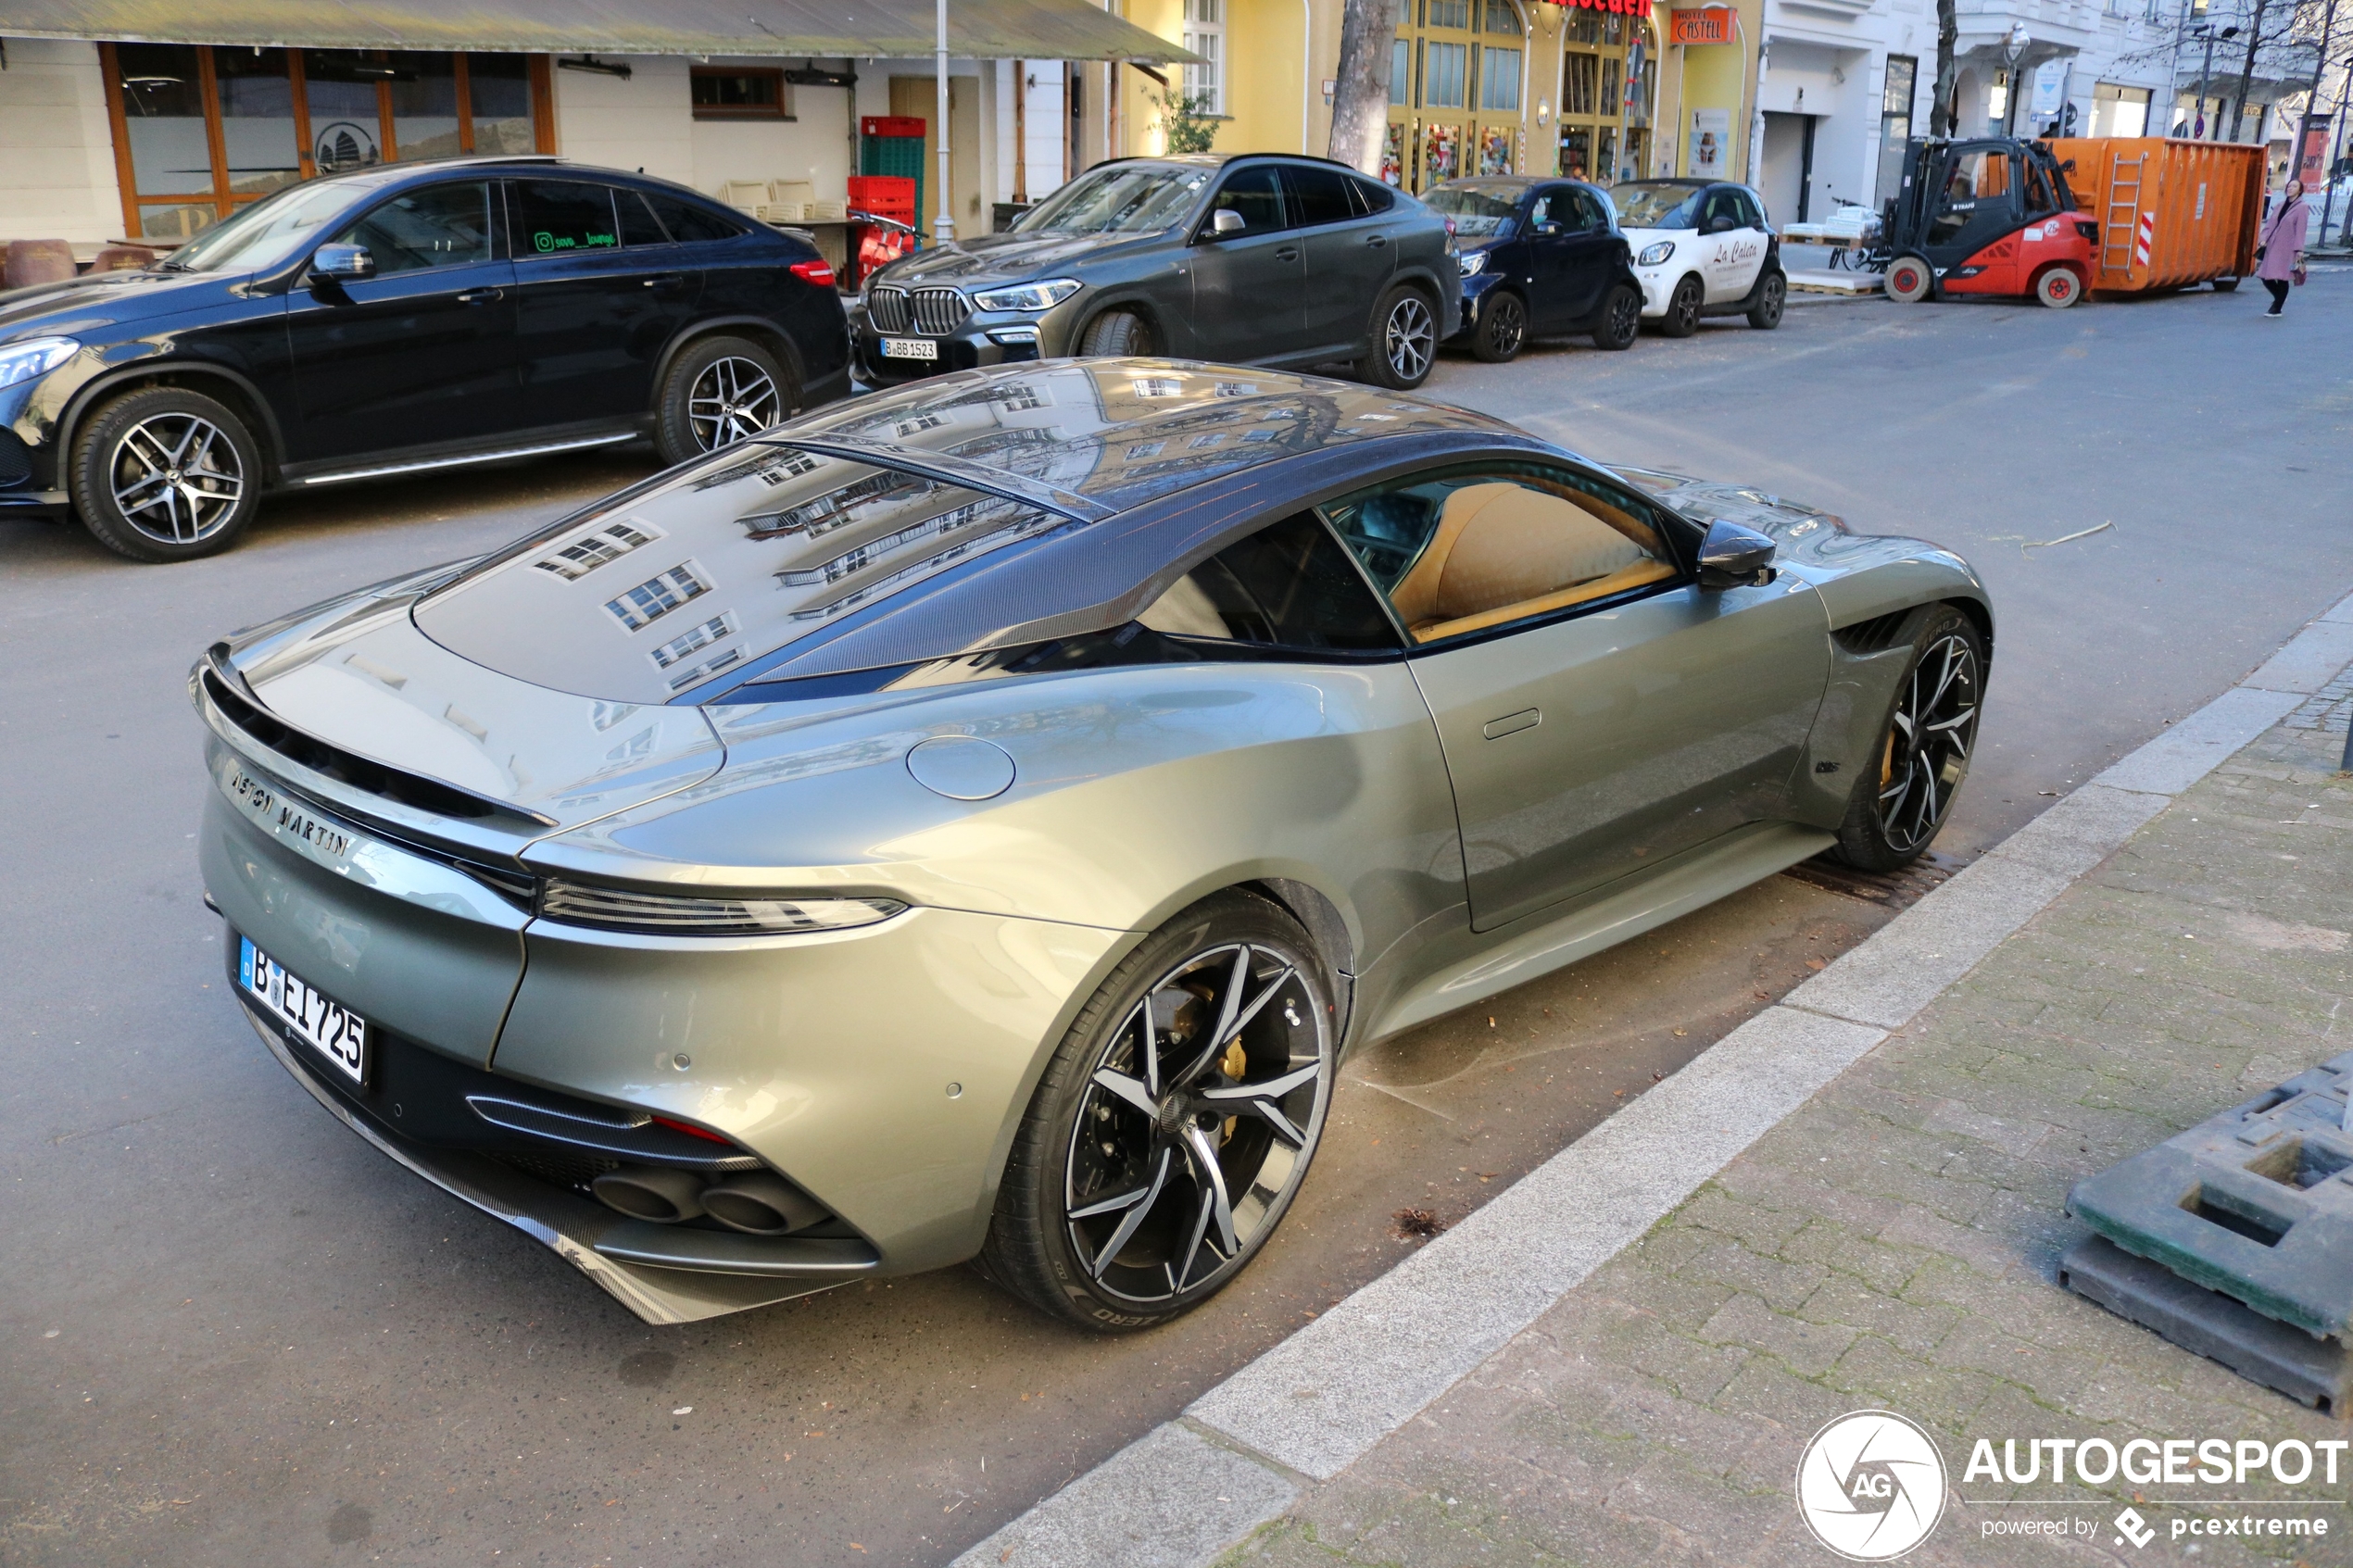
<point>755,1202</point>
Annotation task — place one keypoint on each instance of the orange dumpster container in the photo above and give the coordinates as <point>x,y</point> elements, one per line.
<point>2171,212</point>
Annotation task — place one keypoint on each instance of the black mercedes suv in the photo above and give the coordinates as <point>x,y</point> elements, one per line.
<point>1248,259</point>
<point>397,319</point>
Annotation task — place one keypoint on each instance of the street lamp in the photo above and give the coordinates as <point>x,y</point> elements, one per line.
<point>2213,35</point>
<point>2014,47</point>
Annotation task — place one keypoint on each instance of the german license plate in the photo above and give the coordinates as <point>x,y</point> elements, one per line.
<point>910,348</point>
<point>327,1027</point>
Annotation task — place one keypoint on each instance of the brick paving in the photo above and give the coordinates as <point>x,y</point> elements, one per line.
<point>1894,1243</point>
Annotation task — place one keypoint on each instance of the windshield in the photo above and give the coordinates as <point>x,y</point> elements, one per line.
<point>1479,212</point>
<point>270,230</point>
<point>1656,204</point>
<point>1122,199</point>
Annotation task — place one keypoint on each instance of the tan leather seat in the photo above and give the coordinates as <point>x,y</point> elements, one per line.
<point>1503,551</point>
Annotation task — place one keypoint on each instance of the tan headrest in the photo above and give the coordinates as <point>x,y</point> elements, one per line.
<point>1499,543</point>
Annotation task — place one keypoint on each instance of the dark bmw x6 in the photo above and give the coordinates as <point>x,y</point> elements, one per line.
<point>400,319</point>
<point>1244,260</point>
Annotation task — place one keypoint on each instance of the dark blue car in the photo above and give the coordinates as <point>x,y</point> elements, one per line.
<point>402,318</point>
<point>1539,257</point>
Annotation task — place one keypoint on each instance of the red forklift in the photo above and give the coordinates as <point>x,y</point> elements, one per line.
<point>1991,217</point>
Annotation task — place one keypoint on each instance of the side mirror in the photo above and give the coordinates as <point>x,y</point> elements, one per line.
<point>1227,222</point>
<point>1734,557</point>
<point>1720,225</point>
<point>342,261</point>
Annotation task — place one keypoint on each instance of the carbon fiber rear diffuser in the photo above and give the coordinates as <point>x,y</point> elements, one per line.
<point>2245,1223</point>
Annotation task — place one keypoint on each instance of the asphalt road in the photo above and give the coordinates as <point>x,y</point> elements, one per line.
<point>231,1333</point>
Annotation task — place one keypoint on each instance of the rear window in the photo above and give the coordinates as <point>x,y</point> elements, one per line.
<point>553,217</point>
<point>689,224</point>
<point>667,588</point>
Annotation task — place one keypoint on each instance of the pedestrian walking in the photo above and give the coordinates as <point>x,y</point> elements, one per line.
<point>2281,255</point>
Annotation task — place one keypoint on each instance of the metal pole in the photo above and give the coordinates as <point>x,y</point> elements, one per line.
<point>2205,75</point>
<point>2173,67</point>
<point>2336,129</point>
<point>943,227</point>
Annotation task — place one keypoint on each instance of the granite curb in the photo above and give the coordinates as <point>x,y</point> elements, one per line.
<point>1320,1401</point>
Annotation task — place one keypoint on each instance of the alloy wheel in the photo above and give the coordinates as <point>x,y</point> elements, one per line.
<point>1928,743</point>
<point>176,478</point>
<point>1507,326</point>
<point>1682,310</point>
<point>732,399</point>
<point>1625,315</point>
<point>1196,1124</point>
<point>1408,338</point>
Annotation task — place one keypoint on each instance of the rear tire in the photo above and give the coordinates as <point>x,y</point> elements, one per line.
<point>1772,296</point>
<point>1906,790</point>
<point>1117,334</point>
<point>1908,280</point>
<point>165,474</point>
<point>1682,309</point>
<point>1404,343</point>
<point>1620,321</point>
<point>2058,288</point>
<point>1503,329</point>
<point>720,391</point>
<point>1109,1122</point>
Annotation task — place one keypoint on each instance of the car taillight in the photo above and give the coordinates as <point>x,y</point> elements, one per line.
<point>820,272</point>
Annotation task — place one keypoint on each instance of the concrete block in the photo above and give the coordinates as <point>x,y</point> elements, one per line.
<point>1912,958</point>
<point>2189,750</point>
<point>2310,661</point>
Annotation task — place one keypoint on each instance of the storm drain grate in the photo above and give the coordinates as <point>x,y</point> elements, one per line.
<point>2253,1208</point>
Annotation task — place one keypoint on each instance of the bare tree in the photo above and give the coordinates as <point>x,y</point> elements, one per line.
<point>1940,113</point>
<point>2255,41</point>
<point>1360,101</point>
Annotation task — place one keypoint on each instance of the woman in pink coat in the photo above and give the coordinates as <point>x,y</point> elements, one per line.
<point>2282,250</point>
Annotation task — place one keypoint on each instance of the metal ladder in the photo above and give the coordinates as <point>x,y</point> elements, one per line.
<point>2116,234</point>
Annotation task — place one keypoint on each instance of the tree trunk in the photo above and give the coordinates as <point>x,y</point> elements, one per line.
<point>1942,112</point>
<point>1360,102</point>
<point>2247,71</point>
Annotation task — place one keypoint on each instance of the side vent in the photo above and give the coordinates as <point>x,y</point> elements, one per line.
<point>1875,635</point>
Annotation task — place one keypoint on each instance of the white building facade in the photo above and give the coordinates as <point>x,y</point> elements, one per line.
<point>1843,83</point>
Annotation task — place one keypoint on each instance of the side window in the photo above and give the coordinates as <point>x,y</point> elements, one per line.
<point>1257,195</point>
<point>1470,549</point>
<point>555,216</point>
<point>1720,205</point>
<point>1752,215</point>
<point>1319,196</point>
<point>1580,211</point>
<point>1288,585</point>
<point>637,220</point>
<point>1371,195</point>
<point>439,226</point>
<point>689,224</point>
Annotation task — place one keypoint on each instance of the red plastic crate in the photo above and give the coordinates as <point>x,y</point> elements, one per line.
<point>885,195</point>
<point>891,125</point>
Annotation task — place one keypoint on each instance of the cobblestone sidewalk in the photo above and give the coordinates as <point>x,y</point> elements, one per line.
<point>1894,1245</point>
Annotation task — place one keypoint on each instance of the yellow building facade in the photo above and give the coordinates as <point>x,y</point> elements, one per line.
<point>1477,86</point>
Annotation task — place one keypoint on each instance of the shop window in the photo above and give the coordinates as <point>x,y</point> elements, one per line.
<point>1895,120</point>
<point>1443,69</point>
<point>1400,72</point>
<point>1502,18</point>
<point>1449,13</point>
<point>199,131</point>
<point>1583,93</point>
<point>740,92</point>
<point>1205,36</point>
<point>1499,78</point>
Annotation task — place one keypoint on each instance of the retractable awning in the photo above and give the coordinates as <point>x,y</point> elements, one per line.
<point>1043,30</point>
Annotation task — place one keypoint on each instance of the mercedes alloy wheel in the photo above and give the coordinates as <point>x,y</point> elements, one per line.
<point>165,474</point>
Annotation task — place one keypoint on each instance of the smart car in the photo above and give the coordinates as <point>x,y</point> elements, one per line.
<point>1702,247</point>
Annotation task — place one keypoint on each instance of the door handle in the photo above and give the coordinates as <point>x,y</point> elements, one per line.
<point>481,296</point>
<point>1511,723</point>
<point>665,279</point>
<point>1376,241</point>
<point>1288,253</point>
